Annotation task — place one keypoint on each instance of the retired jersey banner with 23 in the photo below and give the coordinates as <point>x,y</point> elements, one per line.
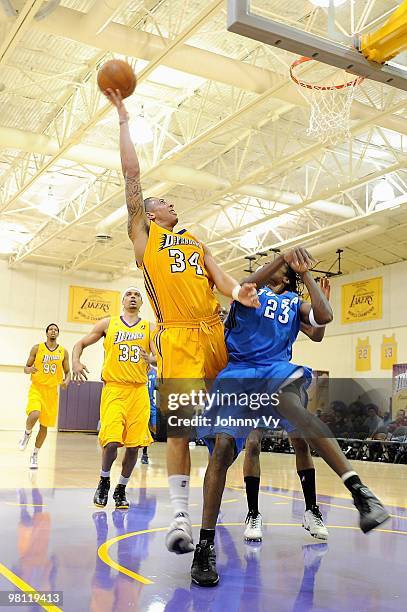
<point>88,305</point>
<point>362,300</point>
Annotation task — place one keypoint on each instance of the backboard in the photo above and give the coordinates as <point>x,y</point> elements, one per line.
<point>325,30</point>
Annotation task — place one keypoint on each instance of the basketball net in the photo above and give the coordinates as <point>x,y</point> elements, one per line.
<point>330,95</point>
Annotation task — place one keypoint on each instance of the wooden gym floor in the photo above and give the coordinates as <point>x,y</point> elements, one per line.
<point>54,539</point>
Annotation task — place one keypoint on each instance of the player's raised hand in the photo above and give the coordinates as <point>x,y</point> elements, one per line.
<point>79,371</point>
<point>115,97</point>
<point>299,259</point>
<point>248,295</point>
<point>325,287</point>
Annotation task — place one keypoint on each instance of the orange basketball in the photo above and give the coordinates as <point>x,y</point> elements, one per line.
<point>117,74</point>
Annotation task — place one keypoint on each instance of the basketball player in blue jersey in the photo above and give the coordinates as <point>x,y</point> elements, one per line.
<point>312,520</point>
<point>259,344</point>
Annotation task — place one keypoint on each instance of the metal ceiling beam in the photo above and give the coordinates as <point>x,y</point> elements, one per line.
<point>343,187</point>
<point>285,161</point>
<point>36,243</point>
<point>306,239</point>
<point>233,60</point>
<point>288,161</point>
<point>18,28</point>
<point>90,254</point>
<point>68,135</point>
<point>192,60</point>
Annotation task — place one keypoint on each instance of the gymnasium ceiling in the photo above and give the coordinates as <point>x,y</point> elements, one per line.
<point>230,147</point>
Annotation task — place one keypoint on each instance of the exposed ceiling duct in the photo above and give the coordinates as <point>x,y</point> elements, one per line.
<point>73,24</point>
<point>346,239</point>
<point>333,208</point>
<point>170,173</point>
<point>118,38</point>
<point>8,8</point>
<point>199,179</point>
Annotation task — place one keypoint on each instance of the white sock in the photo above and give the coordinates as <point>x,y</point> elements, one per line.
<point>105,474</point>
<point>123,480</point>
<point>36,450</point>
<point>178,486</point>
<point>28,431</point>
<point>347,475</point>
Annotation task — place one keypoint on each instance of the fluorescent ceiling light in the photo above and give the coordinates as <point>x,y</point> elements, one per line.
<point>7,245</point>
<point>249,241</point>
<point>383,191</point>
<point>12,235</point>
<point>49,205</point>
<point>140,130</point>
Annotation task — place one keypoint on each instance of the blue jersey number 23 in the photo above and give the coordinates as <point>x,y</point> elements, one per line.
<point>271,310</point>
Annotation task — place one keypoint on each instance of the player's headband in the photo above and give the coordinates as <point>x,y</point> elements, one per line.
<point>131,289</point>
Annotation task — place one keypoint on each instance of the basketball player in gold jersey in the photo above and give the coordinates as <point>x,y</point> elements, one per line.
<point>48,364</point>
<point>179,274</point>
<point>125,403</point>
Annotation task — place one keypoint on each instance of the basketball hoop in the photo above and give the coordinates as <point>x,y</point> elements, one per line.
<point>330,103</point>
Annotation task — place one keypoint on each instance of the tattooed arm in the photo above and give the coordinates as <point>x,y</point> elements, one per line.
<point>138,224</point>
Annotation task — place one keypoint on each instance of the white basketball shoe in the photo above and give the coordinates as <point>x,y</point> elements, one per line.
<point>179,539</point>
<point>22,445</point>
<point>254,529</point>
<point>313,522</point>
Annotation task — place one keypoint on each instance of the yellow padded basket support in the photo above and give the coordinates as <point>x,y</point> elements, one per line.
<point>389,40</point>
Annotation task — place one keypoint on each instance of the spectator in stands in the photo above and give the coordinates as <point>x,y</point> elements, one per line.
<point>341,426</point>
<point>373,420</point>
<point>400,421</point>
<point>387,418</point>
<point>357,415</point>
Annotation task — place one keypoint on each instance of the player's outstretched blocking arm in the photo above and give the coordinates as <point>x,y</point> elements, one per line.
<point>316,334</point>
<point>79,370</point>
<point>319,312</point>
<point>245,294</point>
<point>138,223</point>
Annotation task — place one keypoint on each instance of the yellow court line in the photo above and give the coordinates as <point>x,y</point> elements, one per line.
<point>25,587</point>
<point>103,550</point>
<point>230,501</point>
<point>321,503</point>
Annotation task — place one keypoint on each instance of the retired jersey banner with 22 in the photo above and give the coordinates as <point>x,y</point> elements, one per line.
<point>87,305</point>
<point>362,300</point>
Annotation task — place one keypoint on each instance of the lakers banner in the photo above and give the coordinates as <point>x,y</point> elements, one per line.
<point>362,301</point>
<point>87,305</point>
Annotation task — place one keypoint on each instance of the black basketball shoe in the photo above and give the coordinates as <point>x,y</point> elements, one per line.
<point>203,570</point>
<point>102,492</point>
<point>119,497</point>
<point>371,510</point>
